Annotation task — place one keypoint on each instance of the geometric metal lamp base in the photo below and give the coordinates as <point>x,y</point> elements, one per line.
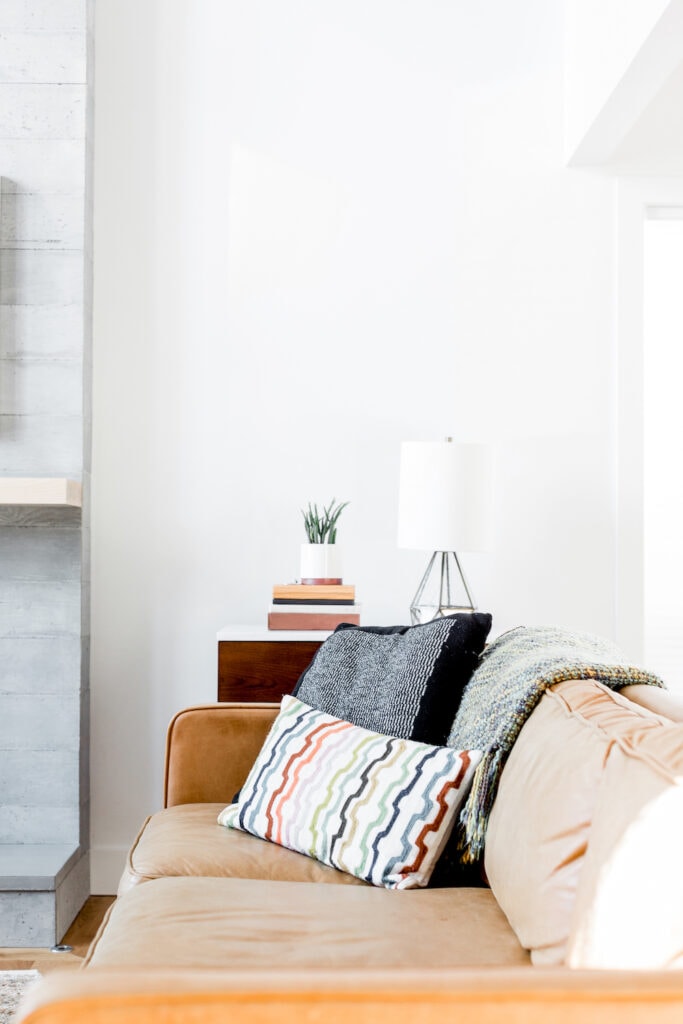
<point>442,591</point>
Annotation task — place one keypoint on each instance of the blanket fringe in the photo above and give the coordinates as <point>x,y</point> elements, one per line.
<point>474,815</point>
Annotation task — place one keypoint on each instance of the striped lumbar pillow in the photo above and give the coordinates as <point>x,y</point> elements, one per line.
<point>378,807</point>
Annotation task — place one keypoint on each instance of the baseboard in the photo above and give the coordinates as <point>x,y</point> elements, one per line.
<point>106,867</point>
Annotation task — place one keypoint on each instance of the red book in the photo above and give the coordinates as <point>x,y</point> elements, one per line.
<point>311,620</point>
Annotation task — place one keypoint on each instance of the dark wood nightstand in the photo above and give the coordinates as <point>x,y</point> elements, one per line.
<point>257,664</point>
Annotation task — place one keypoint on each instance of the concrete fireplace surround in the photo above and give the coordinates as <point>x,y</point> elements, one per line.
<point>45,358</point>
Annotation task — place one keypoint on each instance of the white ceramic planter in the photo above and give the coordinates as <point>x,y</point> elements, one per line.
<point>320,563</point>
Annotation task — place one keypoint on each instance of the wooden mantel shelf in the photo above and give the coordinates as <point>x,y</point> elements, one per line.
<point>53,491</point>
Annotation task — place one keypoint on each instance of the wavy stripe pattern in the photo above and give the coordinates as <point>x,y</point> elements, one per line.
<point>378,807</point>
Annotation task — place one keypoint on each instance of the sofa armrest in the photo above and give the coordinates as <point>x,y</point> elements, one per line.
<point>488,996</point>
<point>210,749</point>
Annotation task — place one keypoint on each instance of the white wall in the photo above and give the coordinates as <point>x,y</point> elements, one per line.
<point>619,54</point>
<point>601,41</point>
<point>322,229</point>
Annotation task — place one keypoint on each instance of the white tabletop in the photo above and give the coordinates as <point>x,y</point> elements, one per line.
<point>263,633</point>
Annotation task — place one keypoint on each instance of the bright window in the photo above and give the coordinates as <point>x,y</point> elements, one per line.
<point>663,444</point>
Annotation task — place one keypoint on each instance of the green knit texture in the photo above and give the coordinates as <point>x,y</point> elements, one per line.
<point>513,673</point>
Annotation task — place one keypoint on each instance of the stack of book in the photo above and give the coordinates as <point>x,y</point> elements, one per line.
<point>313,606</point>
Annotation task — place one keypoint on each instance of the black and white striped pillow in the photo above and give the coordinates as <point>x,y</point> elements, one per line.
<point>403,681</point>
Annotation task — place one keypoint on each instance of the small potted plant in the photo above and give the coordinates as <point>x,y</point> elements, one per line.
<point>320,556</point>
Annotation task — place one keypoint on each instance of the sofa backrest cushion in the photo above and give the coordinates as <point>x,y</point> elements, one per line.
<point>210,749</point>
<point>628,912</point>
<point>376,806</point>
<point>541,818</point>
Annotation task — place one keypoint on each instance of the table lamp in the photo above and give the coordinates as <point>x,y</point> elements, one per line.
<point>445,507</point>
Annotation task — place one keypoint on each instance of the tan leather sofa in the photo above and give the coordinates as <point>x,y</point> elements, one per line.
<point>581,920</point>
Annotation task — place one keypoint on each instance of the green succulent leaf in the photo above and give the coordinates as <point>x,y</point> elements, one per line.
<point>321,526</point>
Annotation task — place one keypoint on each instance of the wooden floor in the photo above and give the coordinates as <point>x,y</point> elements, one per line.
<point>80,935</point>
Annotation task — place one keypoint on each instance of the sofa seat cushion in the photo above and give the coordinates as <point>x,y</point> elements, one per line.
<point>263,925</point>
<point>186,840</point>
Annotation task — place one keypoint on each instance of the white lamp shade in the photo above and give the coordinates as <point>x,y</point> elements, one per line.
<point>445,496</point>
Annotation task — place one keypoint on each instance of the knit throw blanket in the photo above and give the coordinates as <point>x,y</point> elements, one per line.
<point>505,688</point>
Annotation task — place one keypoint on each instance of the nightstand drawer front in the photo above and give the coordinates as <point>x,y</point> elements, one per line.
<point>261,670</point>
